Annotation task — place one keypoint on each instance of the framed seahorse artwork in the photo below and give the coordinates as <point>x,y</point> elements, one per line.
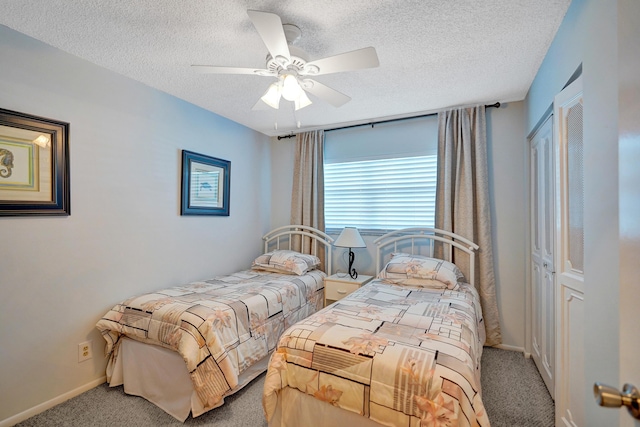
<point>34,165</point>
<point>205,185</point>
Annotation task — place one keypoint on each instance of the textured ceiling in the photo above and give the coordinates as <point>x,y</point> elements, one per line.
<point>433,53</point>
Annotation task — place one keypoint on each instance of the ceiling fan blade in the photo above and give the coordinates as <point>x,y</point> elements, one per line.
<point>348,61</point>
<point>269,26</point>
<point>325,93</point>
<point>211,69</point>
<point>260,106</point>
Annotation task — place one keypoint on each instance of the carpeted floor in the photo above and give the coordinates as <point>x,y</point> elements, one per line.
<point>513,394</point>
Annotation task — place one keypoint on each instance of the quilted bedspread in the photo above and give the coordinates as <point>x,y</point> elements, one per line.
<point>401,356</point>
<point>219,326</point>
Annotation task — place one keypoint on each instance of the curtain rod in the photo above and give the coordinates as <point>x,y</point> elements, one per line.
<point>496,105</point>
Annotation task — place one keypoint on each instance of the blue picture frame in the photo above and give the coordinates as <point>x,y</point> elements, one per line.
<point>206,185</point>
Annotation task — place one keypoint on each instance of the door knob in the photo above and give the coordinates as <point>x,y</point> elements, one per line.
<point>610,397</point>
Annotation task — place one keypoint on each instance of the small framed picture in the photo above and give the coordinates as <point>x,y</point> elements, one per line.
<point>205,185</point>
<point>34,165</point>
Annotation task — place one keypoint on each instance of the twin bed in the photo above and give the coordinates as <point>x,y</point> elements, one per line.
<point>403,350</point>
<point>187,347</point>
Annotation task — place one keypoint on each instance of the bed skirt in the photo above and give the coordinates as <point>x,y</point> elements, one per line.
<point>295,409</point>
<point>160,376</point>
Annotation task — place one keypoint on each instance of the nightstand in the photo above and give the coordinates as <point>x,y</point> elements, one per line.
<point>339,286</point>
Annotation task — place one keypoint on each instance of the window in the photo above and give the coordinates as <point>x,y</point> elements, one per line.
<point>386,194</point>
<point>381,178</point>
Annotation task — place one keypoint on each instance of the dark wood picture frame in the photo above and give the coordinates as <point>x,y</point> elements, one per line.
<point>206,184</point>
<point>34,165</point>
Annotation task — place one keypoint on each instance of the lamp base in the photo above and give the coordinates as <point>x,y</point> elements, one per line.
<point>352,271</point>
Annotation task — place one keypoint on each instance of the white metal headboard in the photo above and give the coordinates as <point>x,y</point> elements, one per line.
<point>282,238</point>
<point>423,240</point>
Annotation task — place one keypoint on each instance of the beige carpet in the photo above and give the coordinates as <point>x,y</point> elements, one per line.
<point>513,393</point>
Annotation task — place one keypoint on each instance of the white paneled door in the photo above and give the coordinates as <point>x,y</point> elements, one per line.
<point>542,191</point>
<point>570,384</point>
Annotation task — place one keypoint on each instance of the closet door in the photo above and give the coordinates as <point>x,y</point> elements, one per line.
<point>542,179</point>
<point>570,257</point>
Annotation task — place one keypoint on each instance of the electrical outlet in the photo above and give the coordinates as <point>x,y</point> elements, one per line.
<point>84,351</point>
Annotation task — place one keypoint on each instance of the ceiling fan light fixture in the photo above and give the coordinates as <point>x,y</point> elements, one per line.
<point>302,101</point>
<point>290,87</point>
<point>272,96</point>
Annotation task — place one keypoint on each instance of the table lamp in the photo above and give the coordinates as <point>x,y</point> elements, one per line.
<point>350,238</point>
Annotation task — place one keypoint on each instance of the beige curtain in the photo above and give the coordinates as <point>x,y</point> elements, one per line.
<point>462,199</point>
<point>307,201</point>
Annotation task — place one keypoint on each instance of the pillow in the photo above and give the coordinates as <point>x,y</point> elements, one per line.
<point>287,262</point>
<point>417,270</point>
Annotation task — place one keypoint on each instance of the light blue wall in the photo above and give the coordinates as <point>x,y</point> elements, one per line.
<point>563,58</point>
<point>507,183</point>
<point>125,234</point>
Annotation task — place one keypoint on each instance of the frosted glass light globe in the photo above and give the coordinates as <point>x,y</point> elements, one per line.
<point>290,88</point>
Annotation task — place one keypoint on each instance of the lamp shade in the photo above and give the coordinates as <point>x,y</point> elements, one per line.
<point>272,96</point>
<point>302,100</point>
<point>350,238</point>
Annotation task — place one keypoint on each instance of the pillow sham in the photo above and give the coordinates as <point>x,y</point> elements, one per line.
<point>418,270</point>
<point>287,262</point>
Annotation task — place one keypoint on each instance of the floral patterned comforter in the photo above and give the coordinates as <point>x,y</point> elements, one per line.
<point>219,326</point>
<point>401,356</point>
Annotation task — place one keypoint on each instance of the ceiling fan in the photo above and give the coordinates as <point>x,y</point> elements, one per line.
<point>290,65</point>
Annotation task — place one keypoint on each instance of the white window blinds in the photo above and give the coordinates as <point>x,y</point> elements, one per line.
<point>386,194</point>
<point>382,178</point>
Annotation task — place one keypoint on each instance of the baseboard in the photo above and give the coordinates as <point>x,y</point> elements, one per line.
<point>511,348</point>
<point>50,403</point>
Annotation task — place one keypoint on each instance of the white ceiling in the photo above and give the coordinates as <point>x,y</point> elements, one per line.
<point>433,53</point>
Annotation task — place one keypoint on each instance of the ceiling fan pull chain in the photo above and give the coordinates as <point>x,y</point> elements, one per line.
<point>275,120</point>
<point>295,119</point>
